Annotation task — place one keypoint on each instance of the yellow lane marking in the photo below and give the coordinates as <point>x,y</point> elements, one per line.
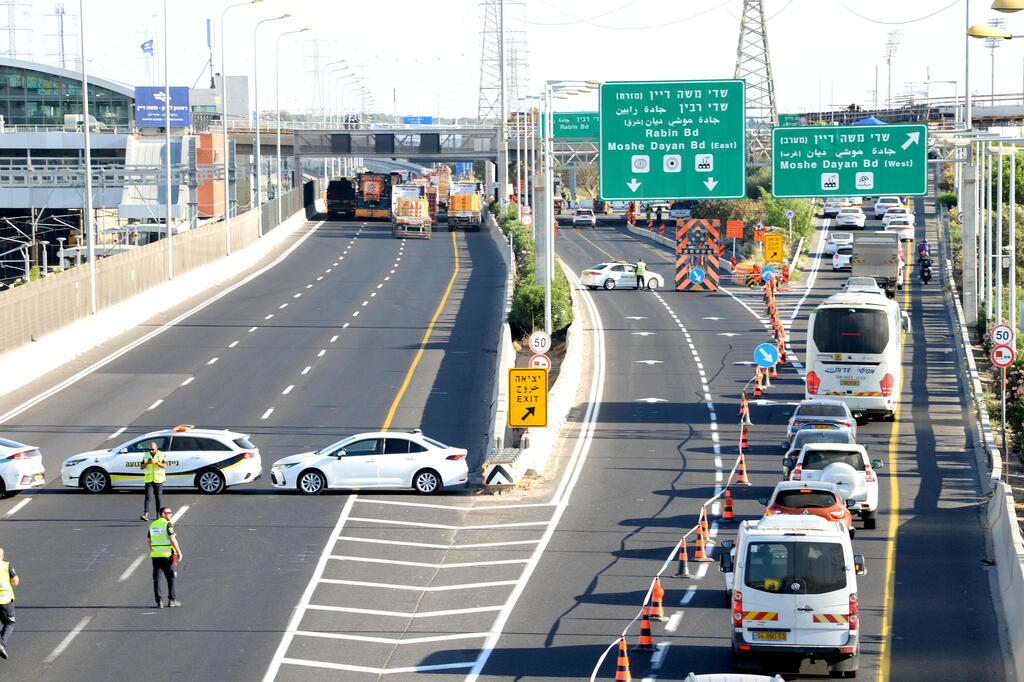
<point>426,338</point>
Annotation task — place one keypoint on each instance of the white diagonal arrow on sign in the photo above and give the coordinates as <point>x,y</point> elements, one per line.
<point>912,138</point>
<point>633,184</point>
<point>710,183</point>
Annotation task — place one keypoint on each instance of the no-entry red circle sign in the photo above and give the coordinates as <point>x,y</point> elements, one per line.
<point>1002,356</point>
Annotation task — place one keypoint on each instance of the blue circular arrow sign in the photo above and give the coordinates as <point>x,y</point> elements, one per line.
<point>697,275</point>
<point>766,355</point>
<point>768,273</point>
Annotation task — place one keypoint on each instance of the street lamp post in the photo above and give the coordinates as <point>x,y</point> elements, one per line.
<point>277,101</point>
<point>339,98</point>
<point>87,203</point>
<point>258,174</point>
<point>167,151</point>
<point>224,125</point>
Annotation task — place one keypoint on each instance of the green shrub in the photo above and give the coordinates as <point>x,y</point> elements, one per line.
<point>947,198</point>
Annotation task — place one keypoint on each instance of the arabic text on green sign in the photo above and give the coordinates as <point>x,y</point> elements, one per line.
<point>672,140</point>
<point>814,161</point>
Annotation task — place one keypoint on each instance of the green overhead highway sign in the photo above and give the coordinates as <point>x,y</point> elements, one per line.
<point>672,140</point>
<point>574,125</point>
<point>822,161</point>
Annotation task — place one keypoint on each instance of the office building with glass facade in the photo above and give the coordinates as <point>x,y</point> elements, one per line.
<point>40,95</point>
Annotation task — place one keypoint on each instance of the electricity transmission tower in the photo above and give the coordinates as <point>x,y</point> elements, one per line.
<point>66,55</point>
<point>754,65</point>
<point>492,63</point>
<point>12,29</point>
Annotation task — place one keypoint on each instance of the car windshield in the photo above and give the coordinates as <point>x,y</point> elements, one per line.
<point>819,410</point>
<point>795,567</point>
<point>851,330</point>
<point>334,446</point>
<point>805,499</point>
<point>805,437</point>
<point>819,459</point>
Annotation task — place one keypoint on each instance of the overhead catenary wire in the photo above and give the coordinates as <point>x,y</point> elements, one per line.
<point>897,23</point>
<point>661,24</point>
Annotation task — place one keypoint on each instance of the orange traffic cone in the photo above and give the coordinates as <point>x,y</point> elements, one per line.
<point>757,383</point>
<point>766,382</point>
<point>772,372</point>
<point>744,409</point>
<point>622,671</point>
<point>727,515</point>
<point>743,438</point>
<point>684,561</point>
<point>703,522</point>
<point>782,351</point>
<point>645,643</point>
<point>700,554</point>
<point>741,475</point>
<point>657,605</point>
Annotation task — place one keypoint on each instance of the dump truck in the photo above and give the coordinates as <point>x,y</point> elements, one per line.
<point>878,255</point>
<point>341,198</point>
<point>410,212</point>
<point>464,206</point>
<point>373,194</point>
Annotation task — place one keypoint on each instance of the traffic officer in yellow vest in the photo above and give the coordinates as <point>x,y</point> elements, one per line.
<point>8,581</point>
<point>165,553</point>
<point>641,270</point>
<point>155,465</point>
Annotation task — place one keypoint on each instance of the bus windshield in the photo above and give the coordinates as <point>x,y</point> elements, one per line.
<point>851,330</point>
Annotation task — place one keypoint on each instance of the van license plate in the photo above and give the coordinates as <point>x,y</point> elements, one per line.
<point>847,382</point>
<point>822,426</point>
<point>773,636</point>
<point>38,477</point>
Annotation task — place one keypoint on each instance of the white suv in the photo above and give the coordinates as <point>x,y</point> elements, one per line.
<point>846,465</point>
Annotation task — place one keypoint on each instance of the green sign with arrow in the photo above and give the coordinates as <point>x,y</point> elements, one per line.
<point>822,161</point>
<point>672,140</point>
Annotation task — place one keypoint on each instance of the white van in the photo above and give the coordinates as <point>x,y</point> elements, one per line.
<point>793,582</point>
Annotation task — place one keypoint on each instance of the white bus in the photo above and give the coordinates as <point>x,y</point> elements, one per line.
<point>855,353</point>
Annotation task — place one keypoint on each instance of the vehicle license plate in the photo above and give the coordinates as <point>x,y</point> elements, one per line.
<point>848,382</point>
<point>774,636</point>
<point>39,477</point>
<point>822,426</point>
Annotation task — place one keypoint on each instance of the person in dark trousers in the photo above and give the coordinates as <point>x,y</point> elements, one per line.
<point>641,270</point>
<point>8,581</point>
<point>165,553</point>
<point>155,465</point>
<point>659,215</point>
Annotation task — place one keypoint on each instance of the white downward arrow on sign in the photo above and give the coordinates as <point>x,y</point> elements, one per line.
<point>912,138</point>
<point>633,184</point>
<point>710,183</point>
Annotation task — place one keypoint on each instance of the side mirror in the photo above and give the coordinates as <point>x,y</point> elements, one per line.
<point>763,501</point>
<point>787,462</point>
<point>725,563</point>
<point>858,564</point>
<point>784,444</point>
<point>340,453</point>
<point>727,545</point>
<point>876,464</point>
<point>788,414</point>
<point>906,322</point>
<point>850,504</point>
<point>123,451</point>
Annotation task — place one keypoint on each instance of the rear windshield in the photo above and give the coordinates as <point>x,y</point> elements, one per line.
<point>9,443</point>
<point>806,436</point>
<point>805,499</point>
<point>842,236</point>
<point>818,410</point>
<point>815,459</point>
<point>851,330</point>
<point>244,444</point>
<point>845,251</point>
<point>795,567</point>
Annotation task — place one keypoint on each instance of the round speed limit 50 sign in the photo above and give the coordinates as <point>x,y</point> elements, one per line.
<point>1002,356</point>
<point>540,343</point>
<point>1002,335</point>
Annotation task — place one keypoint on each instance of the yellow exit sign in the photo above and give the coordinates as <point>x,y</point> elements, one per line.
<point>527,398</point>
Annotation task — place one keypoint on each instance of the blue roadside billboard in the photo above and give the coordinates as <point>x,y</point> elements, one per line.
<point>149,107</point>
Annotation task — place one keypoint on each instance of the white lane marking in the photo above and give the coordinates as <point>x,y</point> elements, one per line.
<point>334,338</point>
<point>78,376</point>
<point>355,314</point>
<point>252,329</point>
<point>309,286</point>
<point>702,570</point>
<point>459,507</point>
<point>131,568</point>
<point>288,389</point>
<point>404,614</point>
<point>18,507</point>
<point>345,326</point>
<point>282,306</point>
<point>154,405</point>
<point>659,656</point>
<point>718,462</point>
<point>178,514</point>
<point>67,640</point>
<point>319,278</point>
<point>713,531</point>
<point>391,640</point>
<point>379,286</point>
<point>211,361</point>
<point>372,294</point>
<point>298,295</point>
<point>269,316</point>
<point>328,269</point>
<point>306,371</point>
<point>417,588</point>
<point>690,594</point>
<point>188,381</point>
<point>121,430</point>
<point>232,344</point>
<point>365,302</point>
<point>673,621</point>
<point>323,351</point>
<point>424,564</point>
<point>300,609</point>
<point>376,671</point>
<point>417,524</point>
<point>267,413</point>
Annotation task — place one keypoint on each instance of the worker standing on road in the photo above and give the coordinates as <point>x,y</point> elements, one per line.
<point>8,581</point>
<point>648,213</point>
<point>641,270</point>
<point>165,554</point>
<point>155,466</point>
<point>659,215</point>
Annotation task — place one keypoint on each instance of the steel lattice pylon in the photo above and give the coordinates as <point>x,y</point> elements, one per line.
<point>491,67</point>
<point>754,65</point>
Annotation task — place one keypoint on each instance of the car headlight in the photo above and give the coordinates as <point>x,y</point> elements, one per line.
<point>282,467</point>
<point>74,462</point>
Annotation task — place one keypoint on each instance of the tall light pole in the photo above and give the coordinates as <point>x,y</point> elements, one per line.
<point>992,43</point>
<point>892,43</point>
<point>167,149</point>
<point>339,98</point>
<point>224,125</point>
<point>258,174</point>
<point>277,101</point>
<point>87,204</point>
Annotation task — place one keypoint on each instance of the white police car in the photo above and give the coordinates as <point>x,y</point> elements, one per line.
<point>209,459</point>
<point>21,467</point>
<point>618,274</point>
<point>374,460</point>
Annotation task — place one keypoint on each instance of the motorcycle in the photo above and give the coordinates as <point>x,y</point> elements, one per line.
<point>926,269</point>
<point>924,250</point>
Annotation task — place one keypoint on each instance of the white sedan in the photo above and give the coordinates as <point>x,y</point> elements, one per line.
<point>584,216</point>
<point>850,216</point>
<point>209,459</point>
<point>883,204</point>
<point>21,467</point>
<point>897,212</point>
<point>618,274</point>
<point>374,460</point>
<point>837,240</point>
<point>903,227</point>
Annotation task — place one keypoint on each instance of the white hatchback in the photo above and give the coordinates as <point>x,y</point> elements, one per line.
<point>842,258</point>
<point>379,459</point>
<point>618,274</point>
<point>209,459</point>
<point>836,240</point>
<point>21,467</point>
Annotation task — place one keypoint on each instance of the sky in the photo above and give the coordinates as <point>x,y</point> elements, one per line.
<point>423,58</point>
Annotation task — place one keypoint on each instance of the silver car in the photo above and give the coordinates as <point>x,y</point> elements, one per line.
<point>821,415</point>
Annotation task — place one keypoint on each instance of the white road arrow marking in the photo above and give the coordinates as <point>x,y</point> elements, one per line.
<point>716,319</point>
<point>651,400</point>
<point>633,184</point>
<point>710,183</point>
<point>912,138</point>
<point>728,334</point>
<point>634,317</point>
<point>643,333</point>
<point>650,362</point>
